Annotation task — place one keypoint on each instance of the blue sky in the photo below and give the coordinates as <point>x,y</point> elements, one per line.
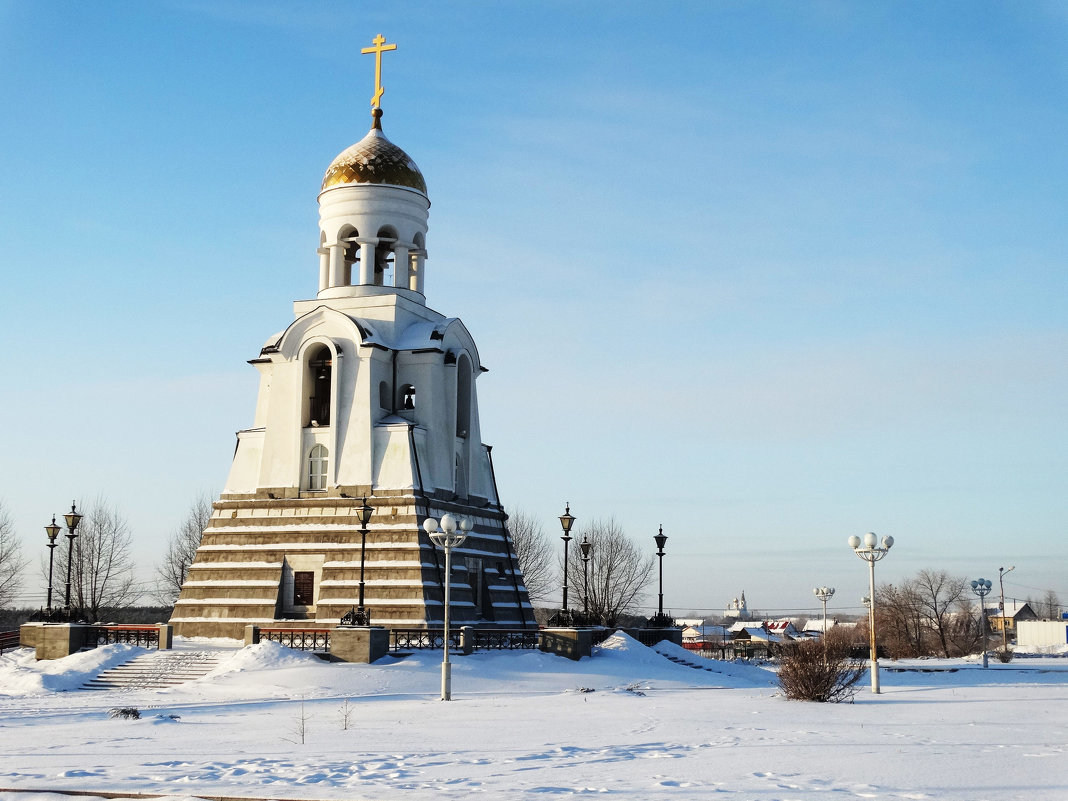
<point>770,274</point>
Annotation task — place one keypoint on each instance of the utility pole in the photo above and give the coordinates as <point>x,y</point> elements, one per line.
<point>1004,631</point>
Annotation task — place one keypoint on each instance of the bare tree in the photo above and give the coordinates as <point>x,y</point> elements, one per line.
<point>12,563</point>
<point>619,571</point>
<point>181,549</point>
<point>102,570</point>
<point>927,614</point>
<point>534,552</point>
<point>943,604</point>
<point>1050,606</point>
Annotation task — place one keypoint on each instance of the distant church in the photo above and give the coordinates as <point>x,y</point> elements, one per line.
<point>368,393</point>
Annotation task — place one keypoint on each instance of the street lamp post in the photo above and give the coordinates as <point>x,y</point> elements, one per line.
<point>567,520</point>
<point>365,510</point>
<point>661,541</point>
<point>447,537</point>
<point>586,547</point>
<point>824,594</point>
<point>72,519</point>
<point>1002,572</point>
<point>981,587</point>
<point>868,549</point>
<point>52,530</point>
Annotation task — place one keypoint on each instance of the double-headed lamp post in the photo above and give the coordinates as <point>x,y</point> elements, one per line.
<point>824,594</point>
<point>981,587</point>
<point>868,549</point>
<point>661,540</point>
<point>72,519</point>
<point>567,520</point>
<point>586,546</point>
<point>450,535</point>
<point>52,531</point>
<point>365,510</point>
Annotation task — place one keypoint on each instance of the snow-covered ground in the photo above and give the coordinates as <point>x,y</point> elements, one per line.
<point>626,723</point>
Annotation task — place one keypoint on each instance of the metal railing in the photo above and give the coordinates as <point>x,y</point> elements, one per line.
<point>146,636</point>
<point>500,640</point>
<point>303,639</point>
<point>416,639</point>
<point>8,640</point>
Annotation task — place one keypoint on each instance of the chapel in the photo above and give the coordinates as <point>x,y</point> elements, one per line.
<point>366,424</point>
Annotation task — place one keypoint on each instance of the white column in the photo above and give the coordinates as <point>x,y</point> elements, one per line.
<point>324,268</point>
<point>400,266</point>
<point>419,262</point>
<point>367,262</point>
<point>337,264</point>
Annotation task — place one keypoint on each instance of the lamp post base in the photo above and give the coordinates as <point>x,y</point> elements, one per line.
<point>446,681</point>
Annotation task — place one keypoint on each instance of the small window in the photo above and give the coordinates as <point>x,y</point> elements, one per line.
<point>317,468</point>
<point>407,397</point>
<point>383,395</point>
<point>303,587</point>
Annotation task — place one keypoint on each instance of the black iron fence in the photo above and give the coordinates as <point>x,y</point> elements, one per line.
<point>417,639</point>
<point>499,639</point>
<point>145,636</point>
<point>303,639</point>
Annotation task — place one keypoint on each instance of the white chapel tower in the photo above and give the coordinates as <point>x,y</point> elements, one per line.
<point>368,393</point>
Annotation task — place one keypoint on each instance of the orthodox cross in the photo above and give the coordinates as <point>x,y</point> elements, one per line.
<point>379,48</point>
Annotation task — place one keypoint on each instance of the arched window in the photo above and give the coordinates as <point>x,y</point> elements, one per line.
<point>463,395</point>
<point>383,396</point>
<point>320,376</point>
<point>317,461</point>
<point>407,397</point>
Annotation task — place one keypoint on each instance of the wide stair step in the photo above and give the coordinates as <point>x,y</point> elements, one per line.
<point>155,670</point>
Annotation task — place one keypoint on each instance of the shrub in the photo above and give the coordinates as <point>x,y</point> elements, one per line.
<point>124,712</point>
<point>1004,654</point>
<point>820,670</point>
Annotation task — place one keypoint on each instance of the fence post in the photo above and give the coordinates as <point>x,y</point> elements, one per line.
<point>467,640</point>
<point>252,634</point>
<point>166,636</point>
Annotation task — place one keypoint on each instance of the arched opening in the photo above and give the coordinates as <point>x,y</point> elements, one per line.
<point>463,395</point>
<point>383,396</point>
<point>416,258</point>
<point>319,380</point>
<point>387,238</point>
<point>317,463</point>
<point>407,397</point>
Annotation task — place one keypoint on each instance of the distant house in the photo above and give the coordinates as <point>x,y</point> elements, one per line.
<point>782,628</point>
<point>706,638</point>
<point>704,633</point>
<point>1015,611</point>
<point>815,625</point>
<point>755,640</point>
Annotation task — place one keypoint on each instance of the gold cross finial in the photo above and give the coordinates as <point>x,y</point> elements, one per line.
<point>379,48</point>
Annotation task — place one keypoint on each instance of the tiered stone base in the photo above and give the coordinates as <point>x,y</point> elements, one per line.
<point>238,575</point>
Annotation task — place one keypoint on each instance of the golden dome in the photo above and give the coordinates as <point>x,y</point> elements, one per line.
<point>374,160</point>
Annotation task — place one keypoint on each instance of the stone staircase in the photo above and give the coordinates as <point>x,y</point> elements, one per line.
<point>684,662</point>
<point>156,670</point>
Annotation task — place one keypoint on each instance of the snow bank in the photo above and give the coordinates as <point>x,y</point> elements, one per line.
<point>22,675</point>
<point>266,655</point>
